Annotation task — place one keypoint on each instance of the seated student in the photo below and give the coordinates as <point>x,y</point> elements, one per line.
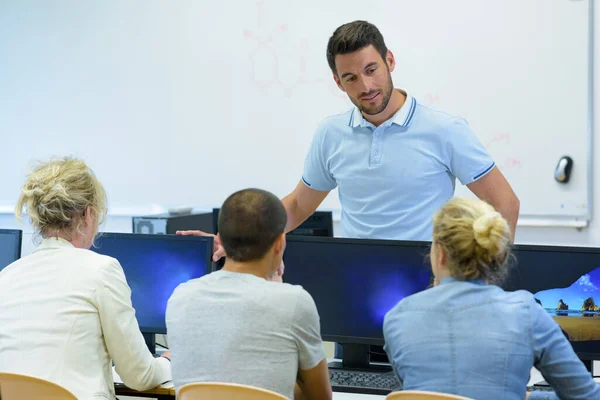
<point>467,336</point>
<point>236,326</point>
<point>65,311</point>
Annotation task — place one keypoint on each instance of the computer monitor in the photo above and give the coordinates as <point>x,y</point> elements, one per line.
<point>154,266</point>
<point>354,283</point>
<point>566,282</point>
<point>10,246</point>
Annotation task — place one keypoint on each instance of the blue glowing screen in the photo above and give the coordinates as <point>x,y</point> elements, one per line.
<point>10,246</point>
<point>356,282</point>
<point>154,266</point>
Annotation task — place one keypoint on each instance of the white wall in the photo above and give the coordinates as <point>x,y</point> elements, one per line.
<point>552,236</point>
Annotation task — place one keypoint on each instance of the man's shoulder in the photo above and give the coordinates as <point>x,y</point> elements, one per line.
<point>336,122</point>
<point>438,118</point>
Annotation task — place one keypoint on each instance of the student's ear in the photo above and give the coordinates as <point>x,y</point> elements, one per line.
<point>87,216</point>
<point>279,245</point>
<point>441,256</point>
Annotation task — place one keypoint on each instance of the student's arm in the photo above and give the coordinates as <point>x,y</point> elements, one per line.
<point>135,365</point>
<point>555,359</point>
<point>313,373</point>
<point>313,383</point>
<point>301,204</point>
<point>495,189</point>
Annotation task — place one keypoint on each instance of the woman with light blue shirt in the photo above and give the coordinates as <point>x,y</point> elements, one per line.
<point>469,337</point>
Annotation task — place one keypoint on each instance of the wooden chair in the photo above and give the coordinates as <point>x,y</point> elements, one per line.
<point>421,395</point>
<point>225,391</point>
<point>18,387</point>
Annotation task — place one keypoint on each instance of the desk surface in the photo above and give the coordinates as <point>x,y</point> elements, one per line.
<point>169,393</point>
<point>161,393</point>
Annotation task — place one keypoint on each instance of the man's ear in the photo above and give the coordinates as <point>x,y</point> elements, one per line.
<point>390,60</point>
<point>338,83</point>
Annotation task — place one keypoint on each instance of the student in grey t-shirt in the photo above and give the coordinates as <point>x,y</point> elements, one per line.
<point>236,325</point>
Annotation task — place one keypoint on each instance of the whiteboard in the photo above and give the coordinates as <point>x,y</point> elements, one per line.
<point>183,102</point>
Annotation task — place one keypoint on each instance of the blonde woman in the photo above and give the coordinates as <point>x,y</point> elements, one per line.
<point>469,337</point>
<point>65,311</point>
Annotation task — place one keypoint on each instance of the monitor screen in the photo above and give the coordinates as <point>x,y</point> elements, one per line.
<point>10,246</point>
<point>355,282</point>
<point>566,283</point>
<point>154,266</point>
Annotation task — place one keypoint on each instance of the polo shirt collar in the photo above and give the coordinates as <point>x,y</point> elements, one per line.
<point>403,116</point>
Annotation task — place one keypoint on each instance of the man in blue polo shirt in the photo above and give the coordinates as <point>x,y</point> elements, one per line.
<point>393,160</point>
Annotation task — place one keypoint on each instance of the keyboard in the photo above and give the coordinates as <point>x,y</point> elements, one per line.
<point>343,380</point>
<point>541,388</point>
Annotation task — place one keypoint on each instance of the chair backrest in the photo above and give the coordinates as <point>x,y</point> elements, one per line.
<point>17,387</point>
<point>225,391</point>
<point>421,395</point>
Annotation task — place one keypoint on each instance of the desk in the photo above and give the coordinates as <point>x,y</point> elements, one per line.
<point>156,393</point>
<point>169,394</point>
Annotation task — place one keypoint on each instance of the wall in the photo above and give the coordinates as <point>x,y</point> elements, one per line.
<point>552,236</point>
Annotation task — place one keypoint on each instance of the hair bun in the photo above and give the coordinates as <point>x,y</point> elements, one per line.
<point>487,226</point>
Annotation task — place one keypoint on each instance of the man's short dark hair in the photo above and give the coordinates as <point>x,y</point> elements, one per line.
<point>351,37</point>
<point>249,222</point>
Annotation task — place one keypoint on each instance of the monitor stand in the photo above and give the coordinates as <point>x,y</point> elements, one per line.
<point>150,340</point>
<point>589,365</point>
<point>357,356</point>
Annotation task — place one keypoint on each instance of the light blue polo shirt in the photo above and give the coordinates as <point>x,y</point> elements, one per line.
<point>392,179</point>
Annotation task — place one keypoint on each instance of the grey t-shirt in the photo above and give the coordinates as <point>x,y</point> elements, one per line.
<point>239,328</point>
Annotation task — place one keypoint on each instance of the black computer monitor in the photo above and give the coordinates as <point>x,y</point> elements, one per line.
<point>154,266</point>
<point>566,282</point>
<point>354,283</point>
<point>10,246</point>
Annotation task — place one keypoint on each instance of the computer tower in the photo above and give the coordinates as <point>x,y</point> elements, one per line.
<point>318,224</point>
<point>170,224</point>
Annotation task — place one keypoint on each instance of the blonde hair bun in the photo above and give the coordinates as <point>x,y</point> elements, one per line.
<point>475,238</point>
<point>488,228</point>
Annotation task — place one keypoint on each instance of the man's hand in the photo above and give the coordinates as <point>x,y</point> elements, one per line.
<point>166,354</point>
<point>218,250</point>
<point>278,275</point>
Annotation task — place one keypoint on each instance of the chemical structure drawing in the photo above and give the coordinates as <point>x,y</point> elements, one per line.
<point>431,98</point>
<point>499,137</point>
<point>280,61</point>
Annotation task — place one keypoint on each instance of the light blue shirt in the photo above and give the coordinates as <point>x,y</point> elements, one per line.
<point>476,340</point>
<point>391,179</point>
